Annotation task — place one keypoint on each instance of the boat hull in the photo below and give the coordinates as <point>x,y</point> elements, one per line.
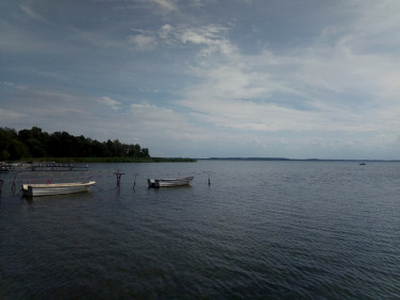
<point>53,189</point>
<point>157,183</point>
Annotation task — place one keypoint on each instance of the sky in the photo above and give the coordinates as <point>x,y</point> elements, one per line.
<point>207,78</point>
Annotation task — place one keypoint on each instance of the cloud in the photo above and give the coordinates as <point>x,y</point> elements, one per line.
<point>142,42</point>
<point>377,19</point>
<point>29,12</point>
<point>211,37</point>
<point>342,85</point>
<point>336,83</point>
<point>167,5</point>
<point>7,116</point>
<point>165,123</point>
<point>13,85</point>
<point>163,7</point>
<point>50,109</point>
<point>113,104</point>
<point>326,80</point>
<point>157,119</point>
<point>165,31</point>
<point>256,100</point>
<point>16,40</point>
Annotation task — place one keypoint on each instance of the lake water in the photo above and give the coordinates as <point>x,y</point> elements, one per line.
<point>262,229</point>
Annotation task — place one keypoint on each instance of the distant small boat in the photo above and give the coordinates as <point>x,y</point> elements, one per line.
<point>53,189</point>
<point>156,183</point>
<point>362,164</point>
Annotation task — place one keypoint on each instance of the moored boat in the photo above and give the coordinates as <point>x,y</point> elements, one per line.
<point>53,189</point>
<point>169,182</point>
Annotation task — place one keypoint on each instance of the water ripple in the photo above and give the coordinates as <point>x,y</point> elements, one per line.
<point>260,230</point>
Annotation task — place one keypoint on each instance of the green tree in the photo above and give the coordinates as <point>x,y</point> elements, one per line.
<point>36,140</point>
<point>36,143</point>
<point>7,136</point>
<point>18,150</point>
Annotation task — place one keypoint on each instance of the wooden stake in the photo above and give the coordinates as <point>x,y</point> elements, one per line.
<point>119,174</point>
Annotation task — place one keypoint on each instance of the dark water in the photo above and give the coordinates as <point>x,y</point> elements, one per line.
<point>260,230</point>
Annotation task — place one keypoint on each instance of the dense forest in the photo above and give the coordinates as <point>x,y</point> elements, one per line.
<point>34,143</point>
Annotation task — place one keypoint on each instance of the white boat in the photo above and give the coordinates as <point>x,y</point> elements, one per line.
<point>52,189</point>
<point>156,183</point>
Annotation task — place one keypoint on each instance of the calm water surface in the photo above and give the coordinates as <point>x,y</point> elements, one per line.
<point>260,230</point>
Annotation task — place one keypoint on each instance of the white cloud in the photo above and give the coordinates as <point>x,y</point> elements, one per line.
<point>165,124</point>
<point>142,42</point>
<point>211,37</point>
<point>168,5</point>
<point>8,116</point>
<point>335,90</point>
<point>115,105</point>
<point>157,119</point>
<point>334,84</point>
<point>165,31</point>
<point>16,40</point>
<point>163,7</point>
<point>13,85</point>
<point>29,12</point>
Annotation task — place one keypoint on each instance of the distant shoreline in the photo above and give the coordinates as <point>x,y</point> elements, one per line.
<point>295,159</point>
<point>69,160</point>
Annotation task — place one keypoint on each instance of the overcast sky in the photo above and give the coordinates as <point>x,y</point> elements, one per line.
<point>202,78</point>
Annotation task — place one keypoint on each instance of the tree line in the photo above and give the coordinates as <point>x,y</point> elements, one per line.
<point>34,143</point>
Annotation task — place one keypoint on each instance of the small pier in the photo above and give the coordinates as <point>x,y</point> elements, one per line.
<point>58,167</point>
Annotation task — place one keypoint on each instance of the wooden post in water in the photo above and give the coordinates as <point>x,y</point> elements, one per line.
<point>134,182</point>
<point>209,178</point>
<point>119,174</point>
